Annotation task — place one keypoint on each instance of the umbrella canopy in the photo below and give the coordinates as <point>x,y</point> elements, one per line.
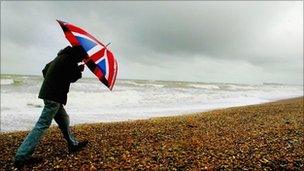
<point>100,60</point>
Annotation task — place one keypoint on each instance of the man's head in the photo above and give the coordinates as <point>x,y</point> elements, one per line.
<point>78,53</point>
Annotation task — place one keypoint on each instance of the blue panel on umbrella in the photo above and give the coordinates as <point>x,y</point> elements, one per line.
<point>102,66</point>
<point>86,43</point>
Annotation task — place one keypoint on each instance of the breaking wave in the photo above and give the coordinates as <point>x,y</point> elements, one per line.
<point>90,101</point>
<point>7,81</point>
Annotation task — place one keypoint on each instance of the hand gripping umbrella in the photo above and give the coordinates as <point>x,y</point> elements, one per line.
<point>100,60</point>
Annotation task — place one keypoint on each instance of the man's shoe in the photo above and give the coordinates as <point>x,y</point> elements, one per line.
<point>78,147</point>
<point>19,164</point>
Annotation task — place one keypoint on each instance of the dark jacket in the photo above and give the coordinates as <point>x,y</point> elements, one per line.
<point>60,72</point>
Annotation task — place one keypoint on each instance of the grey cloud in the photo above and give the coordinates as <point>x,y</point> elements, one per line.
<point>225,31</point>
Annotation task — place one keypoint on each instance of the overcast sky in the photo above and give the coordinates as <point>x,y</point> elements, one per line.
<point>238,42</point>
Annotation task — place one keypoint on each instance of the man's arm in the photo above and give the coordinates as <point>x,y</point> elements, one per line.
<point>76,73</point>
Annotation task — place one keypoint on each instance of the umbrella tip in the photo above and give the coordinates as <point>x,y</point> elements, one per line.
<point>108,44</point>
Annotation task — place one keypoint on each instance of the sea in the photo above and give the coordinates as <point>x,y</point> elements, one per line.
<point>89,101</point>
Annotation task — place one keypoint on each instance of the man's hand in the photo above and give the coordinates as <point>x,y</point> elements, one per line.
<point>81,67</point>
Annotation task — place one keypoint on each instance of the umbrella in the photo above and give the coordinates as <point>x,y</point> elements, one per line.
<point>100,60</point>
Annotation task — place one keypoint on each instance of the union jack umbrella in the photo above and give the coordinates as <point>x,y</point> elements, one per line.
<point>100,60</point>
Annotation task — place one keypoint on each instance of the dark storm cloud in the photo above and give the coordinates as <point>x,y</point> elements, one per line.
<point>232,30</point>
<point>150,39</point>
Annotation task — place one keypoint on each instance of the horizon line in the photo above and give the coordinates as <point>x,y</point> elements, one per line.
<point>141,79</point>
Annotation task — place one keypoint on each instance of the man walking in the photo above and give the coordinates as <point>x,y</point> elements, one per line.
<point>58,75</point>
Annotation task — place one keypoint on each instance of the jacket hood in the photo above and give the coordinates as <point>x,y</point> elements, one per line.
<point>77,53</point>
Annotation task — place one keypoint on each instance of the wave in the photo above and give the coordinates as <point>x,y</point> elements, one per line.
<point>240,87</point>
<point>34,105</point>
<point>204,86</point>
<point>7,81</point>
<point>140,83</point>
<point>89,100</point>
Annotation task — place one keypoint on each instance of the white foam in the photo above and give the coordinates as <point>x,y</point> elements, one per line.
<point>241,87</point>
<point>204,86</point>
<point>6,81</point>
<point>90,101</point>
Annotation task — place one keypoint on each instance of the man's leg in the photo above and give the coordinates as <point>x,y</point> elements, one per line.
<point>63,121</point>
<point>28,145</point>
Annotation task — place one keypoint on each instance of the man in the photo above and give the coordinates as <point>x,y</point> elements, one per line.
<point>58,74</point>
